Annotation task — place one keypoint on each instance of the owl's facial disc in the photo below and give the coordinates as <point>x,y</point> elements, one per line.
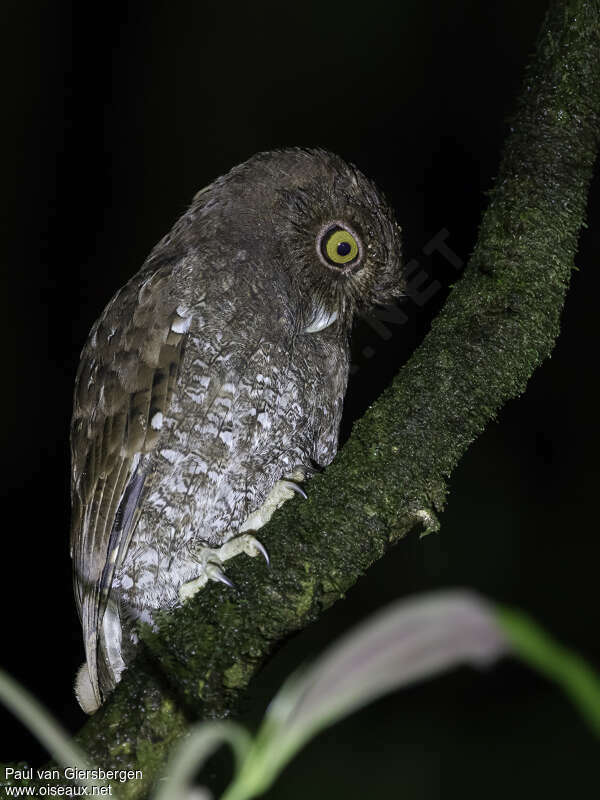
<point>339,247</point>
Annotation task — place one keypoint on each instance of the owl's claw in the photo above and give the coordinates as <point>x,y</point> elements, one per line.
<point>295,488</point>
<point>262,550</point>
<point>215,573</point>
<point>211,572</point>
<point>245,543</point>
<point>210,562</point>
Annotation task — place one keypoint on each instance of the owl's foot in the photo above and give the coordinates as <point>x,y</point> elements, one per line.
<point>283,490</point>
<point>214,573</point>
<point>211,560</point>
<point>294,487</point>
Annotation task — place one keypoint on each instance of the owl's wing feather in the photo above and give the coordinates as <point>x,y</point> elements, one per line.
<point>123,388</point>
<point>122,528</point>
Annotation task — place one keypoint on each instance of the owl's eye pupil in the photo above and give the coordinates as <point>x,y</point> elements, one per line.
<point>343,248</point>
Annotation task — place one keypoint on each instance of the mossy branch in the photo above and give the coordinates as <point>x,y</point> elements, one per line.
<point>499,323</point>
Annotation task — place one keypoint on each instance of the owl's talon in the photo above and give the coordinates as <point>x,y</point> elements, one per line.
<point>246,543</point>
<point>295,488</point>
<point>215,573</point>
<point>262,550</point>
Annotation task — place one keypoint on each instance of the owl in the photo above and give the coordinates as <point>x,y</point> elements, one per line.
<point>211,387</point>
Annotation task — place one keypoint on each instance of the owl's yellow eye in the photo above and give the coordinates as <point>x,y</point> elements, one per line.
<point>339,246</point>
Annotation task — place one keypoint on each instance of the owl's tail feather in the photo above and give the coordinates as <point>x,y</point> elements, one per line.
<point>101,672</point>
<point>84,690</point>
<point>110,658</point>
<point>87,689</point>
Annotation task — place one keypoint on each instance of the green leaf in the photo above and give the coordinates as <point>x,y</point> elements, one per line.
<point>563,666</point>
<point>202,741</point>
<point>409,641</point>
<point>35,717</point>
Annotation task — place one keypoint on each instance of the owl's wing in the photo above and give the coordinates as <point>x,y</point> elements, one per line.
<point>123,387</point>
<point>335,365</point>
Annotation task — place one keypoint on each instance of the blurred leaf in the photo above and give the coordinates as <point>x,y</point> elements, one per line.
<point>35,717</point>
<point>203,740</point>
<point>409,641</point>
<point>563,666</point>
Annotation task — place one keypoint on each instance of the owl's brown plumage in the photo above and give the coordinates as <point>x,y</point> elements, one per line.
<point>215,372</point>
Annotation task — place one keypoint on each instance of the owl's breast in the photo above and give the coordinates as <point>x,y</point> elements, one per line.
<point>245,413</point>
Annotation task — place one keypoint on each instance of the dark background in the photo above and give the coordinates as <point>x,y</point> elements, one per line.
<point>110,125</point>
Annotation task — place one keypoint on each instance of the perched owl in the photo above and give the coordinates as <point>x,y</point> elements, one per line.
<point>212,385</point>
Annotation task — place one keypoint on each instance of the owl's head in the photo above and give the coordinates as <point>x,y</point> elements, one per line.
<point>324,228</point>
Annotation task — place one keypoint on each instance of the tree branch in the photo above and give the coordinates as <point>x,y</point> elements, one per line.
<point>499,323</point>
